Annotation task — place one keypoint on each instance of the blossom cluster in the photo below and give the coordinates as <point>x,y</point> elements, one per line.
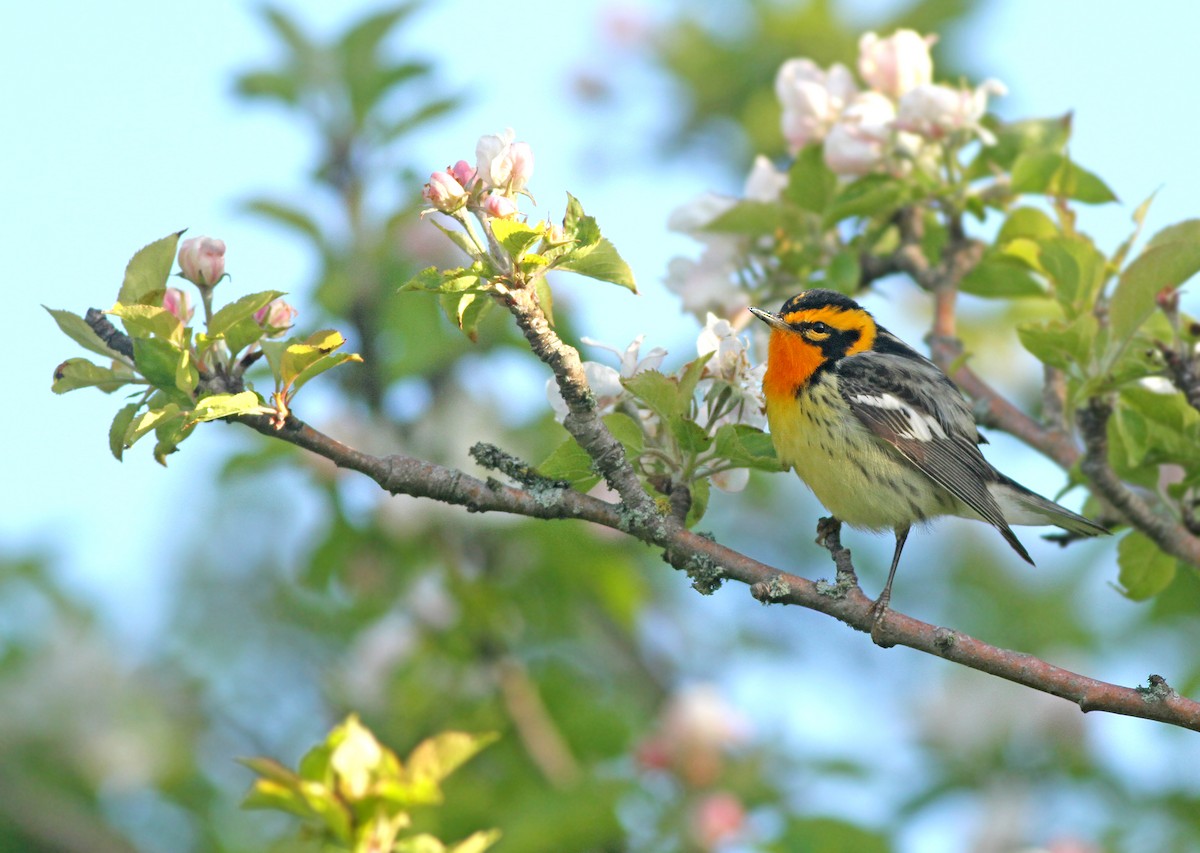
<point>887,125</point>
<point>501,172</point>
<point>729,389</point>
<point>202,262</point>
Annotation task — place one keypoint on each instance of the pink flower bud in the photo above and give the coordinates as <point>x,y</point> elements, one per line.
<point>897,64</point>
<point>179,303</point>
<point>276,317</point>
<point>444,192</point>
<point>500,206</point>
<point>463,172</point>
<point>716,819</point>
<point>202,260</point>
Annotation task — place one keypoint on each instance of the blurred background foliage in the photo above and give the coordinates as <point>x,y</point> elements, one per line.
<point>634,715</point>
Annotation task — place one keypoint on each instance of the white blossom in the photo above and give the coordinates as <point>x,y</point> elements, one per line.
<point>897,64</point>
<point>812,99</point>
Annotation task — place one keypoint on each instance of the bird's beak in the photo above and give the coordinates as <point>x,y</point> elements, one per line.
<point>772,320</point>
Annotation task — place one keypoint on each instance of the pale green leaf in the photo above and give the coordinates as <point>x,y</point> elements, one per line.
<point>1145,570</point>
<point>77,329</point>
<point>147,272</point>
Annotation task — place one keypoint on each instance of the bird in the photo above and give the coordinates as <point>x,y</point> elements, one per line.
<point>883,437</point>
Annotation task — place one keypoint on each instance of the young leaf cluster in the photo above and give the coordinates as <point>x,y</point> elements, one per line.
<point>178,375</point>
<point>355,794</point>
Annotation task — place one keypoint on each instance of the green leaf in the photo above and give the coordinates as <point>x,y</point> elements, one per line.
<point>592,255</point>
<point>1001,276</point>
<point>119,429</point>
<point>1145,570</point>
<point>158,360</point>
<point>689,377</point>
<point>700,491</point>
<point>600,261</point>
<point>569,462</point>
<point>477,842</point>
<point>187,376</point>
<point>1027,222</point>
<point>1065,345</point>
<point>301,357</point>
<point>866,197</point>
<point>627,431</point>
<point>437,757</point>
<point>747,447</point>
<point>229,316</point>
<point>467,310</point>
<point>77,329</point>
<point>77,373</point>
<point>545,298</point>
<point>1016,138</point>
<point>458,280</point>
<point>144,321</point>
<point>1170,258</point>
<point>148,270</point>
<point>751,218</point>
<point>659,392</point>
<point>151,420</point>
<point>516,237</point>
<point>217,406</point>
<point>690,435</point>
<point>843,273</point>
<point>1077,270</point>
<point>811,184</point>
<point>1053,174</point>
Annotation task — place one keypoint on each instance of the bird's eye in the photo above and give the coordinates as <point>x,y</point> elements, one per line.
<point>821,328</point>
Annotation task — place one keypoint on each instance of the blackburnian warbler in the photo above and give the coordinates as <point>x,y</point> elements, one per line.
<point>879,433</point>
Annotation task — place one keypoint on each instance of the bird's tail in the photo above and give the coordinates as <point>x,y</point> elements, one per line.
<point>1021,506</point>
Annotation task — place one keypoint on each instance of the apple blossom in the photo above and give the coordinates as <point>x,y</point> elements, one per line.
<point>202,260</point>
<point>897,64</point>
<point>503,164</point>
<point>857,144</point>
<point>812,99</point>
<point>935,111</point>
<point>708,283</point>
<point>500,206</point>
<point>605,381</point>
<point>765,182</point>
<point>179,303</point>
<point>276,317</point>
<point>444,192</point>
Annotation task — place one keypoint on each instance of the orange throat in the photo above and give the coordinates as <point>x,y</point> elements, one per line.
<point>791,362</point>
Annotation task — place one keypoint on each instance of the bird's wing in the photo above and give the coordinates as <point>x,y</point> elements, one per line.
<point>912,406</point>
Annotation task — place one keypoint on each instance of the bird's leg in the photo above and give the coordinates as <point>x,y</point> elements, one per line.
<point>880,608</point>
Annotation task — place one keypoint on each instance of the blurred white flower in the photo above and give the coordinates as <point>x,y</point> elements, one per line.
<point>689,218</point>
<point>857,144</point>
<point>935,111</point>
<point>897,64</point>
<point>812,99</point>
<point>709,282</point>
<point>765,182</point>
<point>718,336</point>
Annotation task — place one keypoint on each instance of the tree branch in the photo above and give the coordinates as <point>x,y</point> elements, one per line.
<point>709,563</point>
<point>1172,537</point>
